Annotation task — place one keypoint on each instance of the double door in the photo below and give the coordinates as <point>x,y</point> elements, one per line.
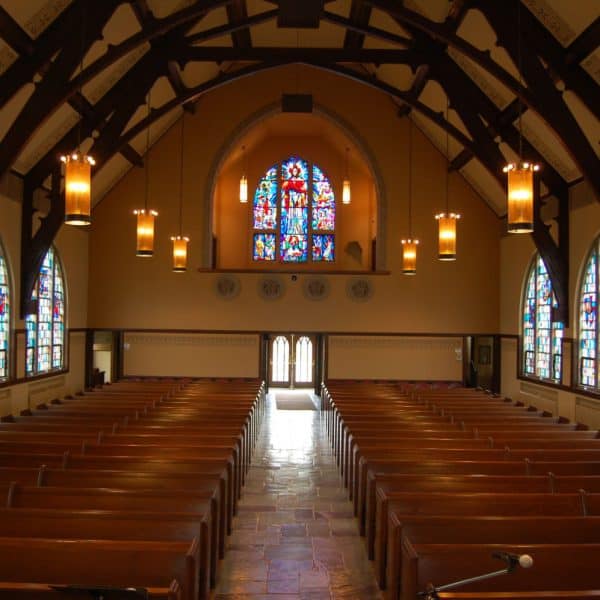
<point>292,360</point>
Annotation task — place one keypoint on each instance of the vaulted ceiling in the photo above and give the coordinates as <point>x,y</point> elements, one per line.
<point>79,71</point>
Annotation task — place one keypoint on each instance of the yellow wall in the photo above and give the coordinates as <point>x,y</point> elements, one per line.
<point>129,292</point>
<point>72,245</point>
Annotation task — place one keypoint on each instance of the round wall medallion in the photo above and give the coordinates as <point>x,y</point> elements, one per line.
<point>227,287</point>
<point>359,290</point>
<point>315,288</point>
<point>270,288</point>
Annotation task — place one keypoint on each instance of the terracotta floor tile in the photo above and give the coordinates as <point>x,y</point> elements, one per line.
<point>295,537</point>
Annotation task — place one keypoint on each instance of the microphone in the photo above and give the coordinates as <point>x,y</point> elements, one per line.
<point>523,560</point>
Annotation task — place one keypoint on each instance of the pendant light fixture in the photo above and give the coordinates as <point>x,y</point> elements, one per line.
<point>409,245</point>
<point>520,174</point>
<point>447,220</point>
<point>346,196</point>
<point>78,167</point>
<point>244,179</point>
<point>180,242</point>
<point>146,216</point>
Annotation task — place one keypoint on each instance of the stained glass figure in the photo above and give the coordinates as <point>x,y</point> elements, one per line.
<point>4,318</point>
<point>45,328</point>
<point>323,248</point>
<point>264,246</point>
<point>542,336</point>
<point>293,204</point>
<point>589,358</point>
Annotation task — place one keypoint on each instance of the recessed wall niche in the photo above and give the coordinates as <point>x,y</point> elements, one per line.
<point>322,143</point>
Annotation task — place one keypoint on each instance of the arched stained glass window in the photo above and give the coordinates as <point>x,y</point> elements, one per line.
<point>589,357</point>
<point>4,318</point>
<point>46,327</point>
<point>542,336</point>
<point>294,214</point>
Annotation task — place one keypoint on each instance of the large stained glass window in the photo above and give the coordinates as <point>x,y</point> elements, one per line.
<point>294,214</point>
<point>589,357</point>
<point>4,318</point>
<point>46,327</point>
<point>542,336</point>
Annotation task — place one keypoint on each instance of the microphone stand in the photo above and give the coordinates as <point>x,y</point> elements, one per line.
<point>431,593</point>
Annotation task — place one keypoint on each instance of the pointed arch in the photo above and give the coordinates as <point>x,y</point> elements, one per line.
<point>45,327</point>
<point>588,361</point>
<point>5,316</point>
<point>541,333</point>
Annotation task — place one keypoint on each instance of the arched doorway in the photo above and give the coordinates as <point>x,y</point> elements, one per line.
<point>292,360</point>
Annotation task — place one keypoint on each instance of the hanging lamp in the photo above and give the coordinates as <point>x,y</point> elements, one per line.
<point>410,244</point>
<point>78,167</point>
<point>447,220</point>
<point>520,174</point>
<point>244,179</point>
<point>180,242</point>
<point>146,216</point>
<point>346,191</point>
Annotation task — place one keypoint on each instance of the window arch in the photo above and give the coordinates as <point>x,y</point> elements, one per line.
<point>542,335</point>
<point>294,214</point>
<point>589,357</point>
<point>5,306</point>
<point>46,327</point>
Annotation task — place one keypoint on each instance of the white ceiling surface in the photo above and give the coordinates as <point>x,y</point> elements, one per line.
<point>559,16</point>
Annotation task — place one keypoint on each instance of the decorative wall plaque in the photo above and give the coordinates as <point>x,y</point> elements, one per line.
<point>315,288</point>
<point>227,287</point>
<point>359,290</point>
<point>270,288</point>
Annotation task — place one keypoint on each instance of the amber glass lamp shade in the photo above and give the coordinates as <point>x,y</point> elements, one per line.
<point>346,192</point>
<point>447,235</point>
<point>409,256</point>
<point>180,251</point>
<point>78,176</point>
<point>244,189</point>
<point>145,232</point>
<point>520,196</point>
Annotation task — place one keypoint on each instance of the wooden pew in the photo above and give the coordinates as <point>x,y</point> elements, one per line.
<point>101,563</point>
<point>480,529</point>
<point>555,567</point>
<point>113,525</point>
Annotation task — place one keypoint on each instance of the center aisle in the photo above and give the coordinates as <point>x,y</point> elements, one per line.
<point>294,536</point>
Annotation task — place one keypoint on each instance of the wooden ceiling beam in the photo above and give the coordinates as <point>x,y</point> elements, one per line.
<point>553,110</point>
<point>367,30</point>
<point>585,43</point>
<point>14,35</point>
<point>360,14</point>
<point>50,91</point>
<point>537,39</point>
<point>229,28</point>
<point>50,41</point>
<point>293,54</point>
<point>238,13</point>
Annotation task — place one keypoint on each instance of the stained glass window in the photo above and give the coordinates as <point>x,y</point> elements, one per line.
<point>4,318</point>
<point>294,214</point>
<point>589,357</point>
<point>45,328</point>
<point>542,335</point>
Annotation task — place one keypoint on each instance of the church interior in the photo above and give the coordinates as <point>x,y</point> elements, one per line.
<point>299,299</point>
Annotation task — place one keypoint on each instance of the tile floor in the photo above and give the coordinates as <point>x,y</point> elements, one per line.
<point>294,536</point>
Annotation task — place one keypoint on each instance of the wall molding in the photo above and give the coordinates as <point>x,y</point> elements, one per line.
<point>192,340</point>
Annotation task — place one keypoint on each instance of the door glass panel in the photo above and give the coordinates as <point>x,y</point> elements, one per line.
<point>281,360</point>
<point>304,349</point>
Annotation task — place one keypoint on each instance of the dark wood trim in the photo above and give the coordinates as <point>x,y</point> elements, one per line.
<point>20,380</point>
<point>288,271</point>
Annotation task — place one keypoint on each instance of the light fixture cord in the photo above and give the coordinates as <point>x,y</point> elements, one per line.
<point>181,176</point>
<point>410,178</point>
<point>520,67</point>
<point>447,154</point>
<point>147,156</point>
<point>81,71</point>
